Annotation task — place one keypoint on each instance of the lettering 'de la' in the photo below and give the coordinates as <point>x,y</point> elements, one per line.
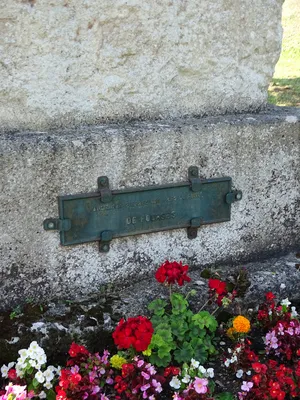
<point>108,214</point>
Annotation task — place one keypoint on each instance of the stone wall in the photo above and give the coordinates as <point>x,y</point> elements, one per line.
<point>259,151</point>
<point>66,62</point>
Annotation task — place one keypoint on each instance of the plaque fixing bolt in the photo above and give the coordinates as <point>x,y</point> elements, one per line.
<point>51,225</point>
<point>194,172</point>
<point>103,180</point>
<point>238,196</point>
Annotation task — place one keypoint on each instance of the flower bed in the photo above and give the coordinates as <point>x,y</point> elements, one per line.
<point>170,353</point>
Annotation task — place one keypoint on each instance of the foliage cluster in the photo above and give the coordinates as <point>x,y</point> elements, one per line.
<point>166,356</point>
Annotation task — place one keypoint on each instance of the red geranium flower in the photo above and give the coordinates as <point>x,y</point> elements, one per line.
<point>136,332</point>
<point>217,285</point>
<point>172,272</point>
<point>270,296</point>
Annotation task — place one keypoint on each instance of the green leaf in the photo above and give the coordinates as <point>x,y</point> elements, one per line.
<point>163,351</point>
<point>196,342</point>
<point>51,395</point>
<point>206,274</point>
<point>211,386</point>
<point>35,383</point>
<point>205,319</point>
<point>179,327</point>
<point>158,307</point>
<point>157,320</point>
<point>179,304</point>
<point>224,396</point>
<point>200,354</point>
<point>160,362</point>
<point>185,353</point>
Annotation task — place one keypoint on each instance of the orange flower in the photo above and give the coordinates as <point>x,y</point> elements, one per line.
<point>241,324</point>
<point>230,333</point>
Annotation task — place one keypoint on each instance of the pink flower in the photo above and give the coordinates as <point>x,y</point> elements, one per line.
<point>146,376</point>
<point>150,369</point>
<point>200,385</point>
<point>145,387</point>
<point>176,396</point>
<point>156,385</point>
<point>246,386</point>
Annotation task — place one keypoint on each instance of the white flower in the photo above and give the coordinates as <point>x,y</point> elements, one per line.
<point>186,379</point>
<point>249,372</point>
<point>5,369</point>
<point>33,363</point>
<point>19,371</point>
<point>233,359</point>
<point>229,351</point>
<point>42,395</point>
<point>39,376</point>
<point>238,349</point>
<point>239,373</point>
<point>227,362</point>
<point>35,347</point>
<point>294,312</point>
<point>41,359</point>
<point>202,370</point>
<point>285,302</point>
<point>49,375</point>
<point>23,353</point>
<point>210,372</point>
<point>48,385</point>
<point>194,363</point>
<point>175,382</point>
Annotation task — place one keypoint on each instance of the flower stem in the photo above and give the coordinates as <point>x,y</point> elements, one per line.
<point>205,304</point>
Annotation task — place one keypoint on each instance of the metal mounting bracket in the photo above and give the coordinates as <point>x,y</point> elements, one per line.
<point>192,230</point>
<point>195,181</point>
<point>103,188</point>
<point>105,239</point>
<point>52,224</point>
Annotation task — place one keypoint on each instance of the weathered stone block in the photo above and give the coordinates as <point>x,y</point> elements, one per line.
<point>260,152</point>
<point>71,61</point>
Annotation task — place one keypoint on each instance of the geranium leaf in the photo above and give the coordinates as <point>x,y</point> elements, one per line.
<point>204,318</point>
<point>179,304</point>
<point>200,354</point>
<point>158,307</point>
<point>185,353</point>
<point>160,362</point>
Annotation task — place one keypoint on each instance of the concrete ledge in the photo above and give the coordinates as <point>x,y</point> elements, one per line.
<point>259,151</point>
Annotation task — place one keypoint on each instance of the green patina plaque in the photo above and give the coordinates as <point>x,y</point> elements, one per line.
<point>109,214</point>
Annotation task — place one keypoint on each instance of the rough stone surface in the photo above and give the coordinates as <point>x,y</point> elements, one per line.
<point>281,275</point>
<point>66,62</point>
<point>260,152</point>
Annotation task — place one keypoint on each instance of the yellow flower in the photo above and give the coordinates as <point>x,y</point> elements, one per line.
<point>147,352</point>
<point>230,333</point>
<point>116,361</point>
<point>241,324</point>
